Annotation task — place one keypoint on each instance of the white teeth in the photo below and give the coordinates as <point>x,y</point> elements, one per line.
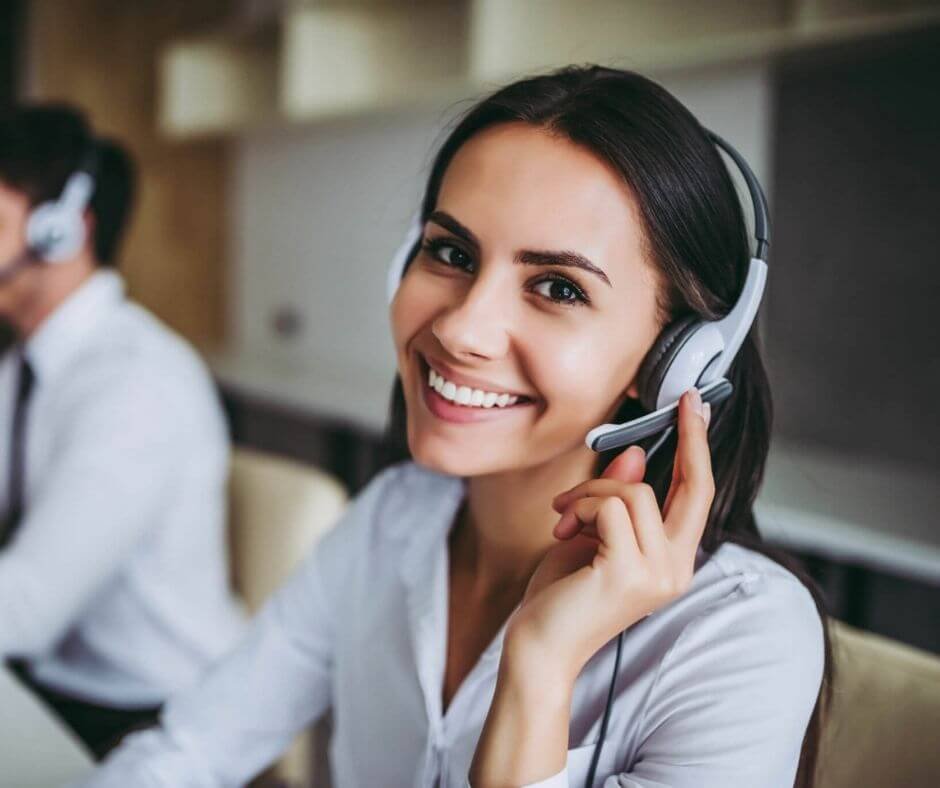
<point>470,397</point>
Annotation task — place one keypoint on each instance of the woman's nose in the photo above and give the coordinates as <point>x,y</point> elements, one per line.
<point>478,325</point>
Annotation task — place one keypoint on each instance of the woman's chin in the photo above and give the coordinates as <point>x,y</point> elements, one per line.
<point>455,458</point>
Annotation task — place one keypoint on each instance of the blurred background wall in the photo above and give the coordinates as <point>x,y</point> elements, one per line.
<point>101,55</point>
<point>283,146</point>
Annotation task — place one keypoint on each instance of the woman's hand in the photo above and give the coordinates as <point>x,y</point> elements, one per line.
<point>619,558</point>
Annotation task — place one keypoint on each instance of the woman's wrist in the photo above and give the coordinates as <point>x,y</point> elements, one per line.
<point>525,737</point>
<point>527,660</point>
<point>534,679</point>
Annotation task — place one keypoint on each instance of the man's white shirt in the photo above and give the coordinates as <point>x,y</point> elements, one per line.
<point>115,586</point>
<point>714,690</point>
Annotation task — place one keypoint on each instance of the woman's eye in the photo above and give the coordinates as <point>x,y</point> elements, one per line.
<point>560,290</point>
<point>448,253</point>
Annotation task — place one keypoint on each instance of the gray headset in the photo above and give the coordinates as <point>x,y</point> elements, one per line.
<point>689,352</point>
<point>55,229</point>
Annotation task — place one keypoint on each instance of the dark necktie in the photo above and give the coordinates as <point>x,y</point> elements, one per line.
<point>16,481</point>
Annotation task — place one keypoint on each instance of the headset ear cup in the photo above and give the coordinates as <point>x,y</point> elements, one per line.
<point>656,364</point>
<point>54,232</point>
<point>406,252</point>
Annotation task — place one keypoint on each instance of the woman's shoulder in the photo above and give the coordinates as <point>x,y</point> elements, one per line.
<point>735,665</point>
<point>747,573</point>
<point>407,486</point>
<point>757,609</point>
<point>397,499</point>
<point>753,586</point>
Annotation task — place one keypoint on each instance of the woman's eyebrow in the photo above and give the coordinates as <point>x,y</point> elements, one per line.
<point>526,257</point>
<point>448,222</point>
<point>566,258</point>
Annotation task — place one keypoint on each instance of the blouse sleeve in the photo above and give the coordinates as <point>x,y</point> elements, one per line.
<point>734,695</point>
<point>246,709</point>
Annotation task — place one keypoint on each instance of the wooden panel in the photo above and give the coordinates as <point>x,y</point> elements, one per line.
<point>102,56</point>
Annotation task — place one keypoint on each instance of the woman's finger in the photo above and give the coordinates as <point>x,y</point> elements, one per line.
<point>592,488</point>
<point>647,521</point>
<point>582,517</point>
<point>692,493</point>
<point>615,531</point>
<point>628,466</point>
<point>673,483</point>
<point>576,517</point>
<point>640,500</point>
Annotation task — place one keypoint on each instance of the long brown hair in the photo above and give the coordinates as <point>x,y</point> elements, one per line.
<point>696,235</point>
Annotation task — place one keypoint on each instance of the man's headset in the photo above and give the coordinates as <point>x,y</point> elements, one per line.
<point>689,352</point>
<point>55,229</point>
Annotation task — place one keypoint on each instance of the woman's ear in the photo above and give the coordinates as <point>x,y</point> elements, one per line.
<point>633,391</point>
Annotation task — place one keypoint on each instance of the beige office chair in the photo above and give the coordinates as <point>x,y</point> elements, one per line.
<point>278,509</point>
<point>884,725</point>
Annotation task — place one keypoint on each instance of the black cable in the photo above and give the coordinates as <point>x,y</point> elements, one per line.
<point>610,702</point>
<point>596,757</point>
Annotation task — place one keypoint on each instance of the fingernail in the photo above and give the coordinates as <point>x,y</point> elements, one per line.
<point>708,413</point>
<point>695,399</point>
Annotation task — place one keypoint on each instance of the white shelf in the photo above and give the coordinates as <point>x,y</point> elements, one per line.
<point>854,509</point>
<point>356,58</point>
<point>332,58</point>
<point>356,396</point>
<point>217,85</point>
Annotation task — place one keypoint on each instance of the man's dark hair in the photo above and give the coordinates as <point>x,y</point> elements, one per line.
<point>42,144</point>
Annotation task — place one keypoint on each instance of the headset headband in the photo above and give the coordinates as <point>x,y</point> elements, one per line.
<point>758,201</point>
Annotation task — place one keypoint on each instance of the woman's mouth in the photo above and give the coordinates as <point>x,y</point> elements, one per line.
<point>453,401</point>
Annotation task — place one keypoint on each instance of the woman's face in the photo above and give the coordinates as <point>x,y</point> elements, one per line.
<point>531,295</point>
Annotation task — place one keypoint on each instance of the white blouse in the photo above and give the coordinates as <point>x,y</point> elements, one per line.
<point>715,689</point>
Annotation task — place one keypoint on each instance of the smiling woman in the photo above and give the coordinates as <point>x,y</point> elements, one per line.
<point>464,619</point>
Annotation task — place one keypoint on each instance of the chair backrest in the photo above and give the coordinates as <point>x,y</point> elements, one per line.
<point>884,724</point>
<point>278,509</point>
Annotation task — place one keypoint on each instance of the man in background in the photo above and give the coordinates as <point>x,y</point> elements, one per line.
<point>114,588</point>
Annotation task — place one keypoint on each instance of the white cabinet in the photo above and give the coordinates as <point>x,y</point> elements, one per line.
<point>315,60</point>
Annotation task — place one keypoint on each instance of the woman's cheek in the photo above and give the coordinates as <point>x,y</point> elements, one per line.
<point>406,313</point>
<point>583,381</point>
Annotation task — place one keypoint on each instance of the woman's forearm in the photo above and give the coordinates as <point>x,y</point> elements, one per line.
<point>525,736</point>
